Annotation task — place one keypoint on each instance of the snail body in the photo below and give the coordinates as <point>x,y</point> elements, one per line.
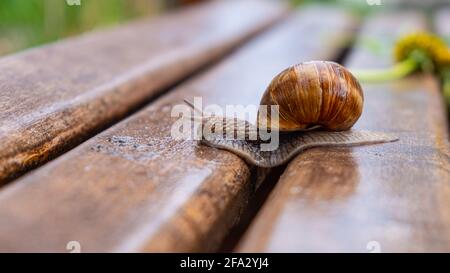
<point>312,95</point>
<point>294,143</point>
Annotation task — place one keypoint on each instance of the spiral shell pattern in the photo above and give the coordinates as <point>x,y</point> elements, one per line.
<point>314,93</point>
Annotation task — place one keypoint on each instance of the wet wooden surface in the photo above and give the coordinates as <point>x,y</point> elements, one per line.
<point>54,97</point>
<point>134,188</point>
<point>390,197</point>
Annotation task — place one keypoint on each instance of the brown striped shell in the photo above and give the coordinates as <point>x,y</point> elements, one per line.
<point>314,93</point>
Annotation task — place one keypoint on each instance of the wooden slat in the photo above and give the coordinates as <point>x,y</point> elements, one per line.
<point>134,188</point>
<point>396,194</point>
<point>55,96</point>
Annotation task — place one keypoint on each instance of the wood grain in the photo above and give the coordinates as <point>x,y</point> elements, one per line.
<point>396,195</point>
<point>135,188</point>
<point>54,97</point>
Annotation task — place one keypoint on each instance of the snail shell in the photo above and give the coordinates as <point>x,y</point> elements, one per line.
<point>314,93</point>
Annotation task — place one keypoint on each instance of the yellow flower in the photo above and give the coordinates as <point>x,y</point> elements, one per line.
<point>431,45</point>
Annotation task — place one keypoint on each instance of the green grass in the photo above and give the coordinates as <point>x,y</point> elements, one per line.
<point>27,23</point>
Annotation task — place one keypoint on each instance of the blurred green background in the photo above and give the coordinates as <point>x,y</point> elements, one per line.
<point>27,23</point>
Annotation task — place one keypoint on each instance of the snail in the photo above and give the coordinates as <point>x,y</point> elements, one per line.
<point>318,103</point>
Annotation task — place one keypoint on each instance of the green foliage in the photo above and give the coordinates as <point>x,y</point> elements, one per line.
<point>25,23</point>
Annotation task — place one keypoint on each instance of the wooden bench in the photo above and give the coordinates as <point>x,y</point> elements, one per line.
<point>133,187</point>
<point>57,96</point>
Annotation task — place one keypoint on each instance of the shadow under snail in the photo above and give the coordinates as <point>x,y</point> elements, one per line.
<point>318,101</point>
